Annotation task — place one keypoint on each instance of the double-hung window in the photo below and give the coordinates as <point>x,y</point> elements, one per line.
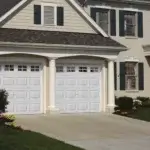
<point>105,18</point>
<point>102,19</point>
<point>131,76</point>
<point>48,14</point>
<point>130,23</point>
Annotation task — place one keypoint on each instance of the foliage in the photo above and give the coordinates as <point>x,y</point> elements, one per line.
<point>145,101</point>
<point>3,101</point>
<point>14,139</point>
<point>124,103</point>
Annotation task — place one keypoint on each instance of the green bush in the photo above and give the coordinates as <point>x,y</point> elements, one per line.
<point>145,101</point>
<point>124,104</point>
<point>3,101</point>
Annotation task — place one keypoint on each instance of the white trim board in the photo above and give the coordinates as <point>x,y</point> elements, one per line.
<point>87,17</point>
<point>12,10</point>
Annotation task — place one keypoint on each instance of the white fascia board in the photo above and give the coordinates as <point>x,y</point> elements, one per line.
<point>61,46</point>
<point>88,18</point>
<point>12,10</point>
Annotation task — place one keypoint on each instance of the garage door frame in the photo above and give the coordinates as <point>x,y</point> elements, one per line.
<point>69,61</point>
<point>29,60</point>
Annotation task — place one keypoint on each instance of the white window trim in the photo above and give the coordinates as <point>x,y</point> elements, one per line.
<point>136,26</point>
<point>137,78</point>
<point>55,13</point>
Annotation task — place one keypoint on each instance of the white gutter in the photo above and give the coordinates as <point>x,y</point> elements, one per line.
<point>60,46</point>
<point>12,10</point>
<point>87,17</point>
<point>131,1</point>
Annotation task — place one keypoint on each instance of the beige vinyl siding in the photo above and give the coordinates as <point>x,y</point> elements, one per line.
<point>73,22</point>
<point>134,45</point>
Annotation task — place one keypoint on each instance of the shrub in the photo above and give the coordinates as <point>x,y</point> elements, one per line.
<point>124,104</point>
<point>145,101</point>
<point>3,101</point>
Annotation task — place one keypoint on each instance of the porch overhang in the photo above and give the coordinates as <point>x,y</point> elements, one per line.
<point>146,50</point>
<point>62,46</point>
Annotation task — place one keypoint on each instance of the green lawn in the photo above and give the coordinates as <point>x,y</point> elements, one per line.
<point>12,139</point>
<point>142,113</point>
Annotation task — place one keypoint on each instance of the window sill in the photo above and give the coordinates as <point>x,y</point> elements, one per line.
<point>132,91</point>
<point>131,37</point>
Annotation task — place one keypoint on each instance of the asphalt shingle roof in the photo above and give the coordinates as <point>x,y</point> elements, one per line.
<point>6,5</point>
<point>55,37</point>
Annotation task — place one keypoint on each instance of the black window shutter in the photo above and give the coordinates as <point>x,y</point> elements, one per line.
<point>37,14</point>
<point>60,16</point>
<point>121,23</point>
<point>122,75</point>
<point>113,22</point>
<point>141,76</point>
<point>115,75</point>
<point>93,13</point>
<point>140,24</point>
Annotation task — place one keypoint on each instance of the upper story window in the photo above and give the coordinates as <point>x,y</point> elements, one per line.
<point>48,15</point>
<point>105,18</point>
<point>130,23</point>
<point>102,19</point>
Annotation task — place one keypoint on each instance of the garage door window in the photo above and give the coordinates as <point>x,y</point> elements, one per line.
<point>9,67</point>
<point>35,68</point>
<point>59,69</point>
<point>82,69</point>
<point>22,68</point>
<point>70,69</point>
<point>94,69</point>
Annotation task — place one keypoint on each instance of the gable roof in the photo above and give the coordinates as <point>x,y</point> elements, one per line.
<point>84,14</point>
<point>56,37</point>
<point>7,7</point>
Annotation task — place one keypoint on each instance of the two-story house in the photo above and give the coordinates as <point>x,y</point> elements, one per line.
<point>54,57</point>
<point>127,22</point>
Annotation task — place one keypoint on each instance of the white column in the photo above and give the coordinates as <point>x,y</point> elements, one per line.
<point>104,87</point>
<point>111,90</point>
<point>52,80</point>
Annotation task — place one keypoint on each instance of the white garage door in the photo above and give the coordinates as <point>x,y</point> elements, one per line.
<point>23,84</point>
<point>78,88</point>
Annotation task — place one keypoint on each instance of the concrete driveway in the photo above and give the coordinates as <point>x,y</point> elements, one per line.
<point>92,131</point>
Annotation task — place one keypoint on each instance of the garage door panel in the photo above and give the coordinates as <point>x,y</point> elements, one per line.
<point>34,81</point>
<point>34,107</point>
<point>21,108</point>
<point>94,107</point>
<point>21,81</point>
<point>78,91</point>
<point>10,108</point>
<point>8,81</point>
<point>83,107</point>
<point>23,85</point>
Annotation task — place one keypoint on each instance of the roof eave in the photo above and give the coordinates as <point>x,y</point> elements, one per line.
<point>62,46</point>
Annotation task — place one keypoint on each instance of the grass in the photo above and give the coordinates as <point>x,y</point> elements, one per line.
<point>142,113</point>
<point>14,139</point>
